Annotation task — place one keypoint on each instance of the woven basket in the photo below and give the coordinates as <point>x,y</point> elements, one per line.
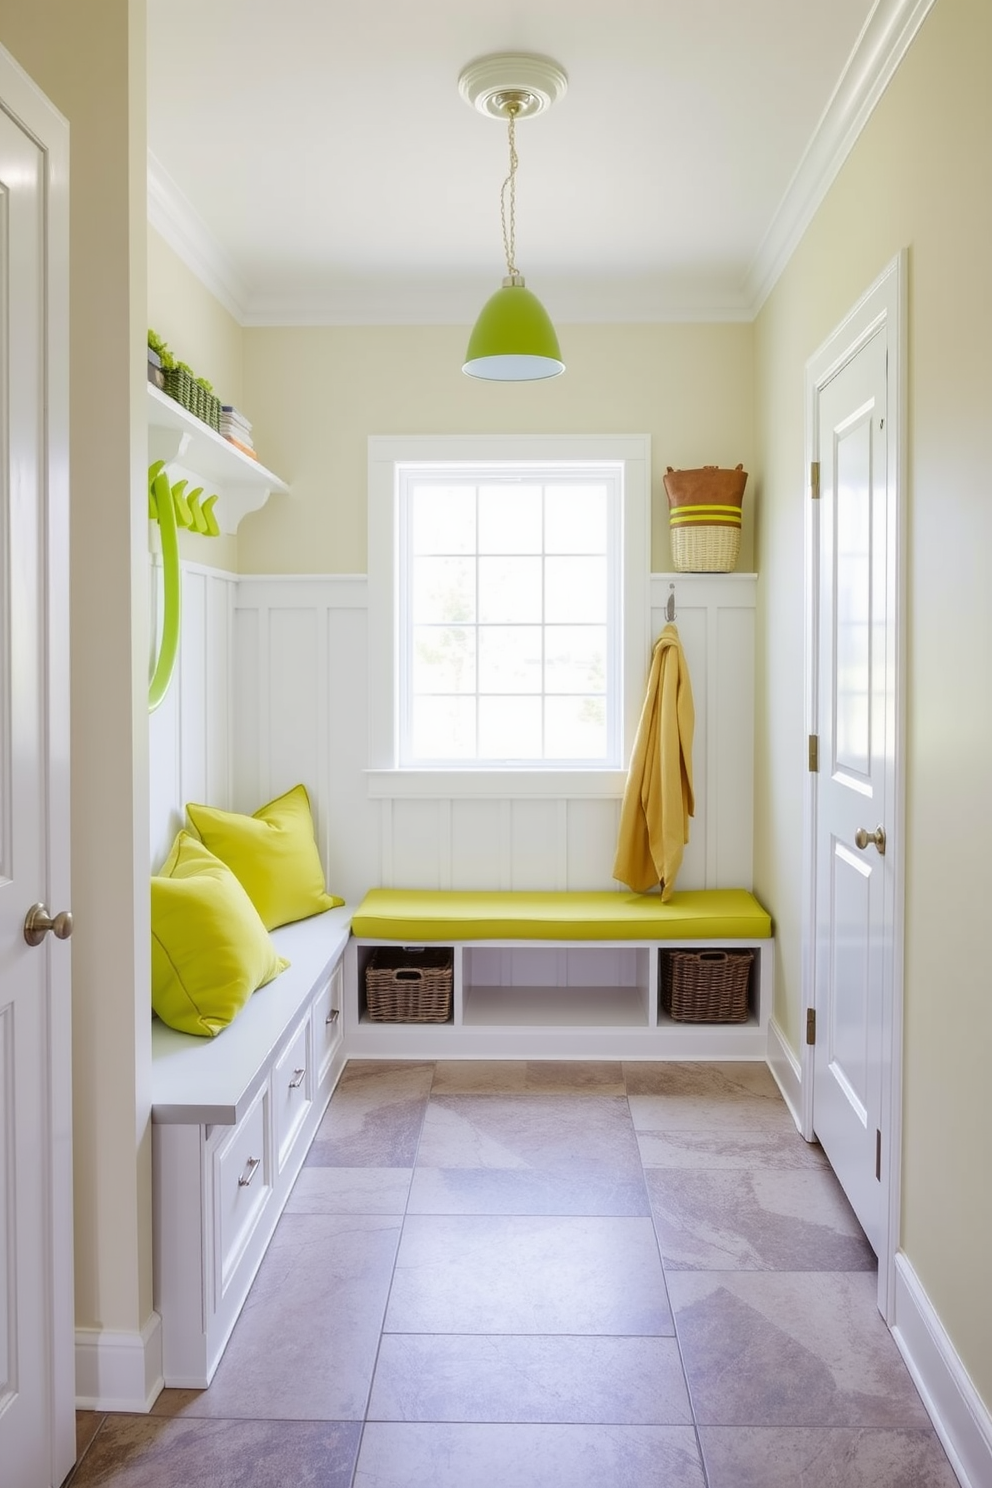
<point>194,398</point>
<point>182,387</point>
<point>404,985</point>
<point>706,986</point>
<point>208,409</point>
<point>705,518</point>
<point>705,549</point>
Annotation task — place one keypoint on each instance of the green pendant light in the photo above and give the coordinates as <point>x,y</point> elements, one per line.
<point>513,339</point>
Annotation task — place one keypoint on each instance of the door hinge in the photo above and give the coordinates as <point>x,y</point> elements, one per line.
<point>814,753</point>
<point>814,480</point>
<point>811,1025</point>
<point>878,1155</point>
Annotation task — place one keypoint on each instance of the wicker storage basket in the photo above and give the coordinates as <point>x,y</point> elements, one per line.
<point>706,986</point>
<point>194,398</point>
<point>409,986</point>
<point>705,518</point>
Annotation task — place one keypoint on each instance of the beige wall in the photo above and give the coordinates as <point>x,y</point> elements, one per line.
<point>315,395</point>
<point>199,330</point>
<point>919,177</point>
<point>90,61</point>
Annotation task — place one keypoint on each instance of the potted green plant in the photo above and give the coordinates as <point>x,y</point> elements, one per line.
<point>160,359</point>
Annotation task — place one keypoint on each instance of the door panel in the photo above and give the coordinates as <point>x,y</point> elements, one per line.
<point>36,1341</point>
<point>850,913</point>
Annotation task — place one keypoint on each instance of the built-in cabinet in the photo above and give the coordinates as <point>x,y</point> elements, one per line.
<point>232,1120</point>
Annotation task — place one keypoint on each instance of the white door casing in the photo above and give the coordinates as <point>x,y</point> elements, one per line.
<point>853,930</point>
<point>37,1383</point>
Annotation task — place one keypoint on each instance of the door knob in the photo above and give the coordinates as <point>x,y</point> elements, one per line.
<point>863,837</point>
<point>38,922</point>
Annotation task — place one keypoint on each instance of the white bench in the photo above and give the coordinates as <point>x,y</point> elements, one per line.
<point>559,975</point>
<point>233,1117</point>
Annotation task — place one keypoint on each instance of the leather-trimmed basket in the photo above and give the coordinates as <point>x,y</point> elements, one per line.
<point>704,515</point>
<point>706,986</point>
<point>406,984</point>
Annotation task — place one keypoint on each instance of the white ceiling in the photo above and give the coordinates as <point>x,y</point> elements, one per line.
<point>314,162</point>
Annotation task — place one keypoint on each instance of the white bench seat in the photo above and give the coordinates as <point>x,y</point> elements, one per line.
<point>562,975</point>
<point>232,1119</point>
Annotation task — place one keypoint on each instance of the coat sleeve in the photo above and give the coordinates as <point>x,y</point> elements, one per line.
<point>658,799</point>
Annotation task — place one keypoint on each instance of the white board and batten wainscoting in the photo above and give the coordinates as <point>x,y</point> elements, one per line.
<point>272,688</point>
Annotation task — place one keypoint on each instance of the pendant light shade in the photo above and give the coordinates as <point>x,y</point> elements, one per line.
<point>513,339</point>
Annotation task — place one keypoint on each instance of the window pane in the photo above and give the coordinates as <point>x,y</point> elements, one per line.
<point>575,519</point>
<point>510,658</point>
<point>443,519</point>
<point>443,591</point>
<point>443,728</point>
<point>575,728</point>
<point>443,658</point>
<point>509,519</point>
<point>510,728</point>
<point>575,590</point>
<point>575,658</point>
<point>509,590</point>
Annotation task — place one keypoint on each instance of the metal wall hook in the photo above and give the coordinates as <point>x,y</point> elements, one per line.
<point>670,611</point>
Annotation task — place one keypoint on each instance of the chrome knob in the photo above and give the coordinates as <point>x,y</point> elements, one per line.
<point>863,837</point>
<point>38,922</point>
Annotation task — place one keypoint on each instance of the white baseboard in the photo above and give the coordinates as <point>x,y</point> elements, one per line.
<point>117,1371</point>
<point>960,1416</point>
<point>787,1071</point>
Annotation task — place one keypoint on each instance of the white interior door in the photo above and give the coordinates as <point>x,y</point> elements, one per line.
<point>855,838</point>
<point>36,1324</point>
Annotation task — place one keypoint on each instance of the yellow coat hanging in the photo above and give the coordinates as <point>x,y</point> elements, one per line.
<point>658,799</point>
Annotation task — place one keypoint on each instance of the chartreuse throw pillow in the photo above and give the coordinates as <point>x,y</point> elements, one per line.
<point>210,950</point>
<point>273,854</point>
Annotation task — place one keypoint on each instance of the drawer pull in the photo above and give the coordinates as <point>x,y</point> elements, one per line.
<point>333,1015</point>
<point>299,1075</point>
<point>249,1172</point>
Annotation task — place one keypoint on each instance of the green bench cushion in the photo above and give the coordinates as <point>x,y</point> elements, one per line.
<point>417,915</point>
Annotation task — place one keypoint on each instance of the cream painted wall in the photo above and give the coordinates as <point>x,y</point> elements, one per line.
<point>90,61</point>
<point>316,394</point>
<point>196,325</point>
<point>919,177</point>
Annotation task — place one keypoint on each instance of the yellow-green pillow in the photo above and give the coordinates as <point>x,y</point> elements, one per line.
<point>210,949</point>
<point>273,854</point>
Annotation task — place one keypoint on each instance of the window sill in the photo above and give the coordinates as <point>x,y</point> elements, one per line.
<point>505,784</point>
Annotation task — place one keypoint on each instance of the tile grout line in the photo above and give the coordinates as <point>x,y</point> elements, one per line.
<point>392,1275</point>
<point>664,1275</point>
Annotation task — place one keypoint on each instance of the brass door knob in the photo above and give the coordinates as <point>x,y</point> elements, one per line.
<point>863,837</point>
<point>38,922</point>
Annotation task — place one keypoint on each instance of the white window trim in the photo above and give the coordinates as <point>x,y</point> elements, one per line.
<point>385,780</point>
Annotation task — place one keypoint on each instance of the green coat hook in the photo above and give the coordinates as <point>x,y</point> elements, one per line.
<point>207,508</point>
<point>193,502</point>
<point>162,497</point>
<point>183,514</point>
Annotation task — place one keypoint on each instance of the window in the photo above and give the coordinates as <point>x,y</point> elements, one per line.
<point>509,615</point>
<point>507,591</point>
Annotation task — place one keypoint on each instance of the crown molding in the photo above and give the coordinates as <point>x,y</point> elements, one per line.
<point>174,217</point>
<point>885,38</point>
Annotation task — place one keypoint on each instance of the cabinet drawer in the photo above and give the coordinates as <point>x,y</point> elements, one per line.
<point>327,1022</point>
<point>292,1089</point>
<point>242,1183</point>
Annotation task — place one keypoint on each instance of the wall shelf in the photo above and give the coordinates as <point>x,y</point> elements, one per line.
<point>192,450</point>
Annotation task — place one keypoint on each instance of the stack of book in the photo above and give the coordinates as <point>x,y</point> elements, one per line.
<point>236,428</point>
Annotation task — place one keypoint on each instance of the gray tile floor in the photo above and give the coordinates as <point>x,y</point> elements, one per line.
<point>517,1275</point>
